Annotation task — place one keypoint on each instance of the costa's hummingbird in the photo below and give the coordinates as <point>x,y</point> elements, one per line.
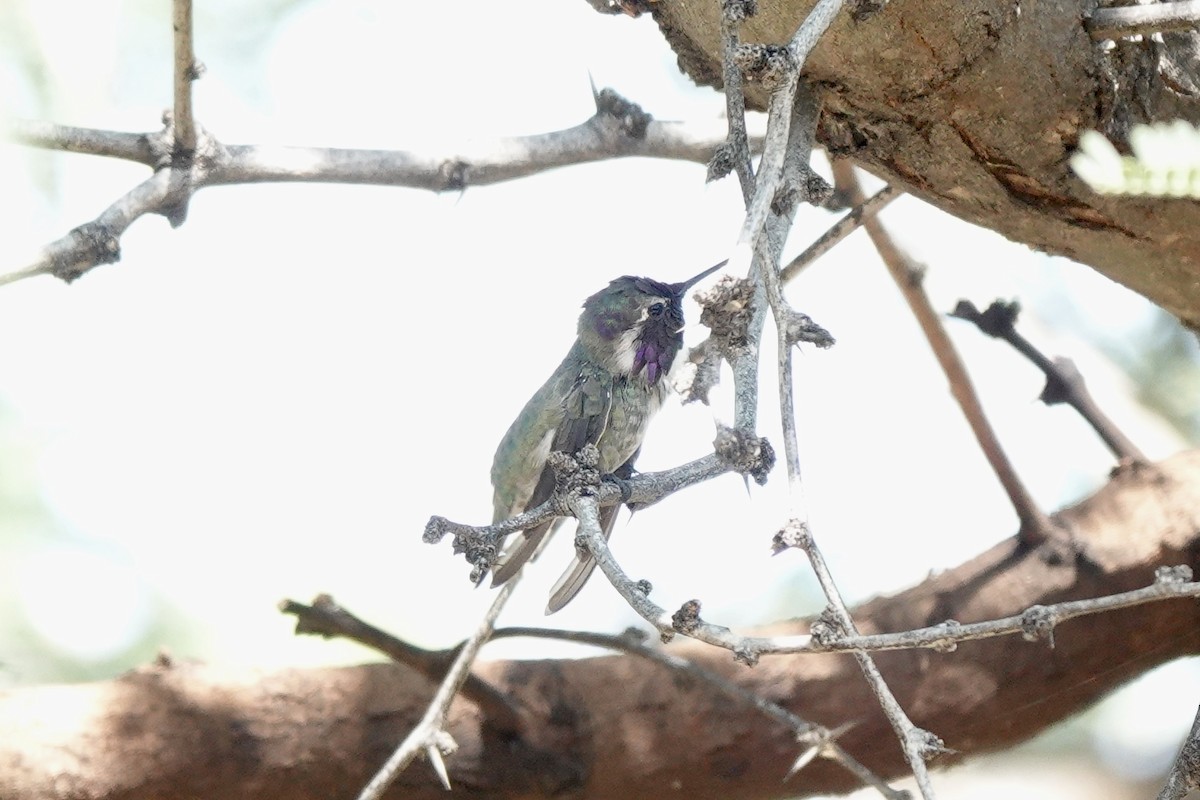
<point>605,391</point>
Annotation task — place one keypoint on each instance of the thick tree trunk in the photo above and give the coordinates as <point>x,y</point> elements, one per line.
<point>976,105</point>
<point>622,727</point>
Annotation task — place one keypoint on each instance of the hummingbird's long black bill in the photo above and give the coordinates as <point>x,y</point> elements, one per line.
<point>680,288</point>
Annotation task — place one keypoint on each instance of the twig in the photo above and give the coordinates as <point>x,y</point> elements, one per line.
<point>918,744</point>
<point>429,736</point>
<point>1185,772</point>
<point>144,148</point>
<point>186,70</point>
<point>817,737</point>
<point>788,326</point>
<point>751,256</point>
<point>326,618</point>
<point>1116,22</point>
<point>1064,383</point>
<point>744,366</point>
<point>586,510</point>
<point>98,241</point>
<point>736,149</point>
<point>845,226</point>
<point>779,117</point>
<point>606,135</point>
<point>480,543</point>
<point>1037,622</point>
<point>1036,527</point>
<point>1033,624</point>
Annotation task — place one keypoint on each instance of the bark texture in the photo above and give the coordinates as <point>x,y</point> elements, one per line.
<point>976,105</point>
<point>621,727</point>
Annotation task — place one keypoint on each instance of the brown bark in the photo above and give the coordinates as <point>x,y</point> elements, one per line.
<point>976,105</point>
<point>619,726</point>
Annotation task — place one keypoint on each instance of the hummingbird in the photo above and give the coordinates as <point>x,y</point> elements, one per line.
<point>612,381</point>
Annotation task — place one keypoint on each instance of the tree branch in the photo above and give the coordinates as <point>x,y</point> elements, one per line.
<point>845,226</point>
<point>938,98</point>
<point>609,726</point>
<point>326,618</point>
<point>99,241</point>
<point>819,740</point>
<point>1064,383</point>
<point>430,735</point>
<point>187,69</point>
<point>618,129</point>
<point>1036,527</point>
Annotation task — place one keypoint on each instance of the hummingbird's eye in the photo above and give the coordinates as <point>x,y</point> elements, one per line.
<point>656,309</point>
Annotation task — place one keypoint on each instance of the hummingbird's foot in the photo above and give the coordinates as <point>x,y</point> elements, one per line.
<point>621,483</point>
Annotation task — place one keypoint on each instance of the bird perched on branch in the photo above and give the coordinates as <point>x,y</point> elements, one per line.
<point>604,393</point>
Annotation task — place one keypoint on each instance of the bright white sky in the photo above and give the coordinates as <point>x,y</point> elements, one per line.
<point>271,400</point>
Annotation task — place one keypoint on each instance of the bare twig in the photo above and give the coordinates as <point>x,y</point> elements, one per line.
<point>144,148</point>
<point>1115,22</point>
<point>840,230</point>
<point>1185,772</point>
<point>686,621</point>
<point>429,736</point>
<point>1064,383</point>
<point>779,118</point>
<point>750,252</point>
<point>606,135</point>
<point>735,151</point>
<point>918,744</point>
<point>480,543</point>
<point>1033,624</point>
<point>187,69</point>
<point>788,326</point>
<point>1036,527</point>
<point>326,618</point>
<point>98,241</point>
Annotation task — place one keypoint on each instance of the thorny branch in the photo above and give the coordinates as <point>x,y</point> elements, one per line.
<point>430,736</point>
<point>781,69</point>
<point>326,618</point>
<point>784,179</point>
<point>181,124</point>
<point>480,544</point>
<point>820,741</point>
<point>792,327</point>
<point>618,129</point>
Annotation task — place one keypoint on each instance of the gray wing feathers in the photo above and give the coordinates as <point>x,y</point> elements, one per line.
<point>580,569</point>
<point>523,547</point>
<point>585,409</point>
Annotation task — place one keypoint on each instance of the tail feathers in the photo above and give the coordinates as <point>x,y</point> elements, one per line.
<point>524,547</point>
<point>571,581</point>
<point>580,569</point>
